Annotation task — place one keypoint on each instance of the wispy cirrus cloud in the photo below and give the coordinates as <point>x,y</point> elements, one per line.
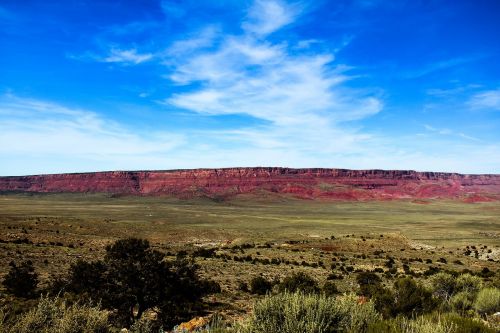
<point>301,97</point>
<point>486,100</point>
<point>115,55</point>
<point>449,132</point>
<point>265,17</point>
<point>130,56</point>
<point>40,128</point>
<point>196,41</point>
<point>440,65</point>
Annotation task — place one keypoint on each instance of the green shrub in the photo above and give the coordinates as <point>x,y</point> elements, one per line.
<point>299,281</point>
<point>369,283</point>
<point>310,313</point>
<point>465,325</point>
<point>469,283</point>
<point>411,299</point>
<point>443,285</point>
<point>53,315</point>
<point>487,301</point>
<point>407,298</point>
<point>356,316</point>
<point>404,325</point>
<point>144,325</point>
<point>330,289</point>
<point>260,285</point>
<point>462,301</point>
<point>21,281</point>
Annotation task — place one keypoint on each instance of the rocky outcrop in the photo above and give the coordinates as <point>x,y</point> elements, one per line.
<point>341,184</point>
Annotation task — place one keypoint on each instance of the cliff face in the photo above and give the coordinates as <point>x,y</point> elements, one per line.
<point>303,183</point>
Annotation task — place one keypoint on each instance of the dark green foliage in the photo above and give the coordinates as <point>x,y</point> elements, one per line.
<point>243,286</point>
<point>260,285</point>
<point>383,300</point>
<point>181,292</point>
<point>330,289</point>
<point>210,287</point>
<point>204,253</point>
<point>411,299</point>
<point>85,277</point>
<point>369,283</point>
<point>383,326</point>
<point>431,271</point>
<point>333,276</point>
<point>407,299</point>
<point>299,281</point>
<point>133,278</point>
<point>486,273</point>
<point>21,281</point>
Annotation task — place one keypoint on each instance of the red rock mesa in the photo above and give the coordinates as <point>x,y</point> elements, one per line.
<point>336,184</point>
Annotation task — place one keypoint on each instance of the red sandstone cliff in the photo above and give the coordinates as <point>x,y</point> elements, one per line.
<point>303,183</point>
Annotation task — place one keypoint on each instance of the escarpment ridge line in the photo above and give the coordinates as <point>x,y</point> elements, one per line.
<point>306,183</point>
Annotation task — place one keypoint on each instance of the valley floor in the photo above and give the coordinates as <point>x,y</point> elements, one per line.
<point>251,236</point>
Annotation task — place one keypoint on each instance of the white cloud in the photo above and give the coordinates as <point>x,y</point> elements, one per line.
<point>300,97</point>
<point>305,44</point>
<point>37,128</point>
<point>200,39</point>
<point>449,132</point>
<point>488,100</point>
<point>130,56</point>
<point>265,17</point>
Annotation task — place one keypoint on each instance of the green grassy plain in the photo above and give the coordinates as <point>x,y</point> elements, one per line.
<point>437,223</point>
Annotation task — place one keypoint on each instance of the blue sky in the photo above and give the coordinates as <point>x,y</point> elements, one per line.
<point>133,85</point>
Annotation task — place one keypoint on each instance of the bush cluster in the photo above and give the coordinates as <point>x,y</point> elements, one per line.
<point>310,313</point>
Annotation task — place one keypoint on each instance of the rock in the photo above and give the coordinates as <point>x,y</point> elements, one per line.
<point>194,324</point>
<point>333,184</point>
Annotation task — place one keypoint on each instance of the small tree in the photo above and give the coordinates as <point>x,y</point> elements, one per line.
<point>133,278</point>
<point>21,280</point>
<point>136,276</point>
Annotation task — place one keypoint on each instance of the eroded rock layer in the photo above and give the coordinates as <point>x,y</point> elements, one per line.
<point>339,184</point>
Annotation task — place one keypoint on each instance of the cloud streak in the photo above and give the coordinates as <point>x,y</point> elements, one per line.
<point>130,56</point>
<point>39,128</point>
<point>486,100</point>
